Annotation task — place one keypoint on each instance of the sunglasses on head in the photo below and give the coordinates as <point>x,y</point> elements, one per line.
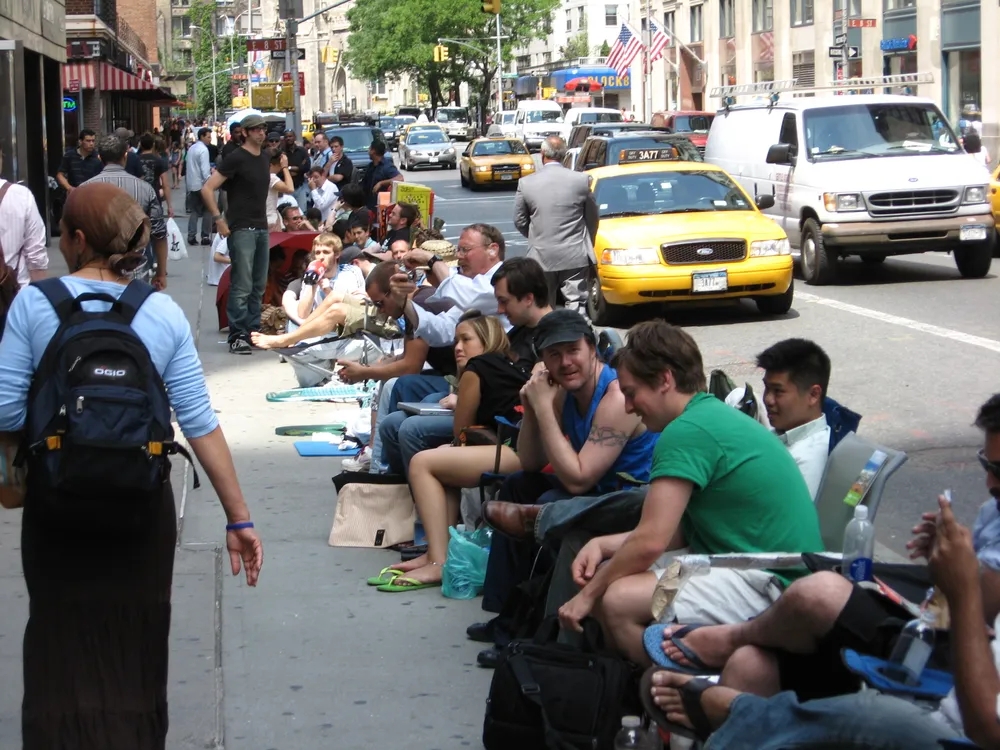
<point>992,467</point>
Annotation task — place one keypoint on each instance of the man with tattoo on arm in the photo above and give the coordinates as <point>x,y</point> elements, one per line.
<point>574,421</point>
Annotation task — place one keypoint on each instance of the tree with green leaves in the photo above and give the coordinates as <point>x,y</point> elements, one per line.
<point>576,46</point>
<point>209,51</point>
<point>389,39</point>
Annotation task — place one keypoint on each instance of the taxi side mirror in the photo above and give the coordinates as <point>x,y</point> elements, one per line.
<point>781,153</point>
<point>764,202</point>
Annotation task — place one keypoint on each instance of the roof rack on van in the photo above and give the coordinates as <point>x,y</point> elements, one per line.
<point>773,89</point>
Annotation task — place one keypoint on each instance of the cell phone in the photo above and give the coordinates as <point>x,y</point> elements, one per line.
<point>412,274</point>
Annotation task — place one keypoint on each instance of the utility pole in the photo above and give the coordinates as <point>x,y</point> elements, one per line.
<point>499,69</point>
<point>844,48</point>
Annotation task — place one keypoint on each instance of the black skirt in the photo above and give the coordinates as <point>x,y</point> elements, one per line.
<point>97,640</point>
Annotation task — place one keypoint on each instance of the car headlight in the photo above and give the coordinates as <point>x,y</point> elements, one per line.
<point>630,256</point>
<point>769,247</point>
<point>450,151</point>
<point>482,169</point>
<point>843,202</point>
<point>528,167</point>
<point>975,194</point>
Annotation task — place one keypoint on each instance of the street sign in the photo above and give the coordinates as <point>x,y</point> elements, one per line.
<point>835,52</point>
<point>287,76</point>
<point>840,40</point>
<point>853,52</point>
<point>258,65</point>
<point>74,86</point>
<point>266,45</point>
<point>254,79</point>
<point>862,23</point>
<point>280,54</point>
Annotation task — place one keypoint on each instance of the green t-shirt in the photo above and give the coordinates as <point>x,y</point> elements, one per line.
<point>748,496</point>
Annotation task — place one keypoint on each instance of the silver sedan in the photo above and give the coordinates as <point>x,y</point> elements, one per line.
<point>428,146</point>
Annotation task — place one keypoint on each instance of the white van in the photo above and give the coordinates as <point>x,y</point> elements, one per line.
<point>586,116</point>
<point>869,175</point>
<point>536,120</point>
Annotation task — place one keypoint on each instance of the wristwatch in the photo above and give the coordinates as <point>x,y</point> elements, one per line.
<point>217,217</point>
<point>434,259</point>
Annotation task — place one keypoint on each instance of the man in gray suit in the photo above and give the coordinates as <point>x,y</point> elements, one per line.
<point>556,211</point>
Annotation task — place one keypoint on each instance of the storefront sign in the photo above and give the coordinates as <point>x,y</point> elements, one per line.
<point>900,44</point>
<point>74,86</point>
<point>69,104</point>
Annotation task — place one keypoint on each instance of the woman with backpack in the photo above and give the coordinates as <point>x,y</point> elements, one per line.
<point>93,397</point>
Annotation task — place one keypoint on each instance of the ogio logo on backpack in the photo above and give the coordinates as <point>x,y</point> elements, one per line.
<point>109,373</point>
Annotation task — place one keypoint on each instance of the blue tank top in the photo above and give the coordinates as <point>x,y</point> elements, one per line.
<point>637,454</point>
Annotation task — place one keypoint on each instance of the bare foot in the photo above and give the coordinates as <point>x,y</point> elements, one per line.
<point>429,572</point>
<point>713,644</point>
<point>666,692</point>
<point>416,562</point>
<point>265,341</point>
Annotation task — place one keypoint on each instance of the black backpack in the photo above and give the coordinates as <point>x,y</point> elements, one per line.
<point>98,431</point>
<point>548,696</point>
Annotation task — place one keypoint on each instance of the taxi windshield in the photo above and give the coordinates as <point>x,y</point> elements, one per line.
<point>650,193</point>
<point>860,131</point>
<point>498,148</point>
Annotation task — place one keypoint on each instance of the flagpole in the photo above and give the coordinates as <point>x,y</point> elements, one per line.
<point>649,60</point>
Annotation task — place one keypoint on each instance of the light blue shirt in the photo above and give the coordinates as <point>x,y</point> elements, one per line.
<point>474,293</point>
<point>198,167</point>
<point>160,324</point>
<point>986,535</point>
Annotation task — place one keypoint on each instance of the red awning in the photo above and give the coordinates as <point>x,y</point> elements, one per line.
<point>82,73</point>
<point>115,79</point>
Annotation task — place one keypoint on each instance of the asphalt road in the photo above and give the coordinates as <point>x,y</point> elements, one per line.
<point>913,346</point>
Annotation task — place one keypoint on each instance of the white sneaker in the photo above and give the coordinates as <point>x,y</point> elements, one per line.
<point>363,461</point>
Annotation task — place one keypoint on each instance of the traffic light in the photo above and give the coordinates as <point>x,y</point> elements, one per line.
<point>440,53</point>
<point>491,6</point>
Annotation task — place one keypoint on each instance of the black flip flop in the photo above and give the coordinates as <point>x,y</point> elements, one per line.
<point>690,697</point>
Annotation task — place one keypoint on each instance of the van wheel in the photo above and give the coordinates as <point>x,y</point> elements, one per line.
<point>778,304</point>
<point>599,310</point>
<point>819,265</point>
<point>974,261</point>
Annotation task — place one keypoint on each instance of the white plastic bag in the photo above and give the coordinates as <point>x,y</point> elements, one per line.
<point>176,248</point>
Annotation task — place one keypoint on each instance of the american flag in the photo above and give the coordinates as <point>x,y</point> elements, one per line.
<point>623,51</point>
<point>657,44</point>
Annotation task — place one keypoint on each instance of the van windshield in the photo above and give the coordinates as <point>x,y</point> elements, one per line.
<point>452,115</point>
<point>860,131</point>
<point>693,123</point>
<point>644,193</point>
<point>542,115</point>
<point>600,117</point>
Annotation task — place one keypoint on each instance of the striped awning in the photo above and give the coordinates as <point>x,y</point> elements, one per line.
<point>115,79</point>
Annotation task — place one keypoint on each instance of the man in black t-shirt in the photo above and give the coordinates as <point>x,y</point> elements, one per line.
<point>154,171</point>
<point>339,168</point>
<point>246,172</point>
<point>236,138</point>
<point>298,165</point>
<point>523,296</point>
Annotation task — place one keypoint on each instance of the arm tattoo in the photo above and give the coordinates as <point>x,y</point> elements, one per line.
<point>606,436</point>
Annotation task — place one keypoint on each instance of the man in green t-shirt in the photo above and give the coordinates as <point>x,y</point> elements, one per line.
<point>720,482</point>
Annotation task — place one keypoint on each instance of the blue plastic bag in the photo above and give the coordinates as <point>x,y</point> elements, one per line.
<point>465,570</point>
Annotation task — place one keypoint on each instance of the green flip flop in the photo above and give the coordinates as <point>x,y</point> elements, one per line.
<point>400,584</point>
<point>385,576</point>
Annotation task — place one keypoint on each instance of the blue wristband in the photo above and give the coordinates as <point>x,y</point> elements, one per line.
<point>240,525</point>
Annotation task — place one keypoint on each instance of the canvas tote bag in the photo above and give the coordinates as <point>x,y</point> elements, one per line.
<point>373,510</point>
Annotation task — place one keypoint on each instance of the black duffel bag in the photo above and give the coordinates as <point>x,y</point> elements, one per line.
<point>548,696</point>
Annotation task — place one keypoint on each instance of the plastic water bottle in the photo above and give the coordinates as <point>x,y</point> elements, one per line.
<point>859,544</point>
<point>912,650</point>
<point>631,736</point>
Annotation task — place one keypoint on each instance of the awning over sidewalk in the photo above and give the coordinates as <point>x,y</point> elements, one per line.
<point>115,79</point>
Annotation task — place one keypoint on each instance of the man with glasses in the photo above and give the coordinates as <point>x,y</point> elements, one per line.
<point>246,172</point>
<point>294,221</point>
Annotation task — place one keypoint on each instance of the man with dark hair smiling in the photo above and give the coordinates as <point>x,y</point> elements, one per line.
<point>796,377</point>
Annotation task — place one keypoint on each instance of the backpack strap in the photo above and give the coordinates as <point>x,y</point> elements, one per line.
<point>531,690</point>
<point>135,294</point>
<point>58,296</point>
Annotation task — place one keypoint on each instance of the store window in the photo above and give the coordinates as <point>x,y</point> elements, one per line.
<point>697,29</point>
<point>727,19</point>
<point>965,86</point>
<point>610,15</point>
<point>801,12</point>
<point>763,15</point>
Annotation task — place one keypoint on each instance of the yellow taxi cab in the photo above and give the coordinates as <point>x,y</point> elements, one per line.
<point>494,161</point>
<point>995,198</point>
<point>308,129</point>
<point>675,231</point>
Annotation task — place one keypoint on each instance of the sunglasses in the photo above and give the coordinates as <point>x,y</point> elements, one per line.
<point>992,467</point>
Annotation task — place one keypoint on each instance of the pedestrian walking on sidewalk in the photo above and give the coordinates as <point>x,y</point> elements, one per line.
<point>555,210</point>
<point>197,172</point>
<point>97,639</point>
<point>247,175</point>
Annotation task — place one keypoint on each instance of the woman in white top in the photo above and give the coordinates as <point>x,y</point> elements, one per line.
<point>281,184</point>
<point>974,147</point>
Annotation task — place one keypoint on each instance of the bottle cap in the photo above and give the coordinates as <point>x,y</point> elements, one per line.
<point>631,722</point>
<point>861,512</point>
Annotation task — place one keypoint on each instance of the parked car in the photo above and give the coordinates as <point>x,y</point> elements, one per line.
<point>587,116</point>
<point>427,146</point>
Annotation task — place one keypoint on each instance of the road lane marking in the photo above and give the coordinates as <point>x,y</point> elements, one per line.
<point>914,325</point>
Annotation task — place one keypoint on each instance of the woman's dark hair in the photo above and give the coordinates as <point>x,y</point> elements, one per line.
<point>656,347</point>
<point>339,227</point>
<point>972,143</point>
<point>353,195</point>
<point>276,158</point>
<point>115,226</point>
<point>524,276</point>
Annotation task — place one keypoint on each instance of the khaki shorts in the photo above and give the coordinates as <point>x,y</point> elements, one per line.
<point>361,316</point>
<point>722,597</point>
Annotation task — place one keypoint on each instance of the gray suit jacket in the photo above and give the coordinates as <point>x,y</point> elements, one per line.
<point>556,211</point>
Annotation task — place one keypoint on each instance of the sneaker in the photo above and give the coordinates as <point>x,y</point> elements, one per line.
<point>240,346</point>
<point>206,241</point>
<point>363,461</point>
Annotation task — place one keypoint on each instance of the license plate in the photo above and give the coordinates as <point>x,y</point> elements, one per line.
<point>434,160</point>
<point>972,233</point>
<point>709,282</point>
<point>506,177</point>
